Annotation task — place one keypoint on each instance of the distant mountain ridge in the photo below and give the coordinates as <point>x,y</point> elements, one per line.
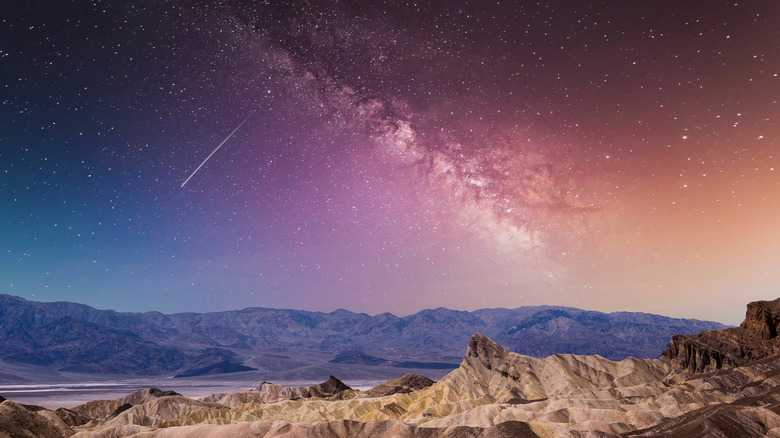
<point>74,337</point>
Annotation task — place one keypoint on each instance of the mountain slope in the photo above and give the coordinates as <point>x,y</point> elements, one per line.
<point>493,393</point>
<point>41,335</point>
<point>74,337</point>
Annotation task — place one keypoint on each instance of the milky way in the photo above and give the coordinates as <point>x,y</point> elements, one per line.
<point>604,155</point>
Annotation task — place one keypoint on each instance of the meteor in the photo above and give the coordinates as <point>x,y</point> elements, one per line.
<point>215,150</point>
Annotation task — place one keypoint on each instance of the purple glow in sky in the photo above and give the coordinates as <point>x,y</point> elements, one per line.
<point>393,156</point>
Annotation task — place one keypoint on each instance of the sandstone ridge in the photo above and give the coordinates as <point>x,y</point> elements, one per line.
<point>493,393</point>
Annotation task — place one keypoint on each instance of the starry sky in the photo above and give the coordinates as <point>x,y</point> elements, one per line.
<point>391,156</point>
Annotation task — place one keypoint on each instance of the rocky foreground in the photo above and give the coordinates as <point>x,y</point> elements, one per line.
<point>721,383</point>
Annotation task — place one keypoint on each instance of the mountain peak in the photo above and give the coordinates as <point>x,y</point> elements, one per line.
<point>484,347</point>
<point>485,354</point>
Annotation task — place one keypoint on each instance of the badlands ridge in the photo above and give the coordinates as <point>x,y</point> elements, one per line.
<point>720,383</point>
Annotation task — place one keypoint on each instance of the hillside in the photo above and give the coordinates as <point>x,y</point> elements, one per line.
<point>73,337</point>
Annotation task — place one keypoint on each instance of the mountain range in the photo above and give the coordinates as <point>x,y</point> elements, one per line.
<point>703,386</point>
<point>71,337</point>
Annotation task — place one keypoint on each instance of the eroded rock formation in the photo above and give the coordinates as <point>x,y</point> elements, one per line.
<point>16,421</point>
<point>755,339</point>
<point>102,410</point>
<point>400,385</point>
<point>493,393</point>
<point>272,392</point>
<point>763,319</point>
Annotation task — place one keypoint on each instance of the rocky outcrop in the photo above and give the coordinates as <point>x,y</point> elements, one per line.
<point>756,338</point>
<point>500,375</point>
<point>704,352</point>
<point>273,392</point>
<point>18,422</point>
<point>157,411</point>
<point>71,418</point>
<point>400,385</point>
<point>102,410</point>
<point>328,388</point>
<point>763,319</point>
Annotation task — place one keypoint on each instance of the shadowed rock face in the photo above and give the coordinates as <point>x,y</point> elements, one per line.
<point>400,385</point>
<point>71,418</point>
<point>273,392</point>
<point>330,387</point>
<point>18,422</point>
<point>763,319</point>
<point>101,410</point>
<point>756,338</point>
<point>327,388</point>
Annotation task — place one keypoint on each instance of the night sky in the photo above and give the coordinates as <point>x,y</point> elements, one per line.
<point>607,155</point>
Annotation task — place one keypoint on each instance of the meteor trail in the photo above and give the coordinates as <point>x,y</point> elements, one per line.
<point>215,150</point>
